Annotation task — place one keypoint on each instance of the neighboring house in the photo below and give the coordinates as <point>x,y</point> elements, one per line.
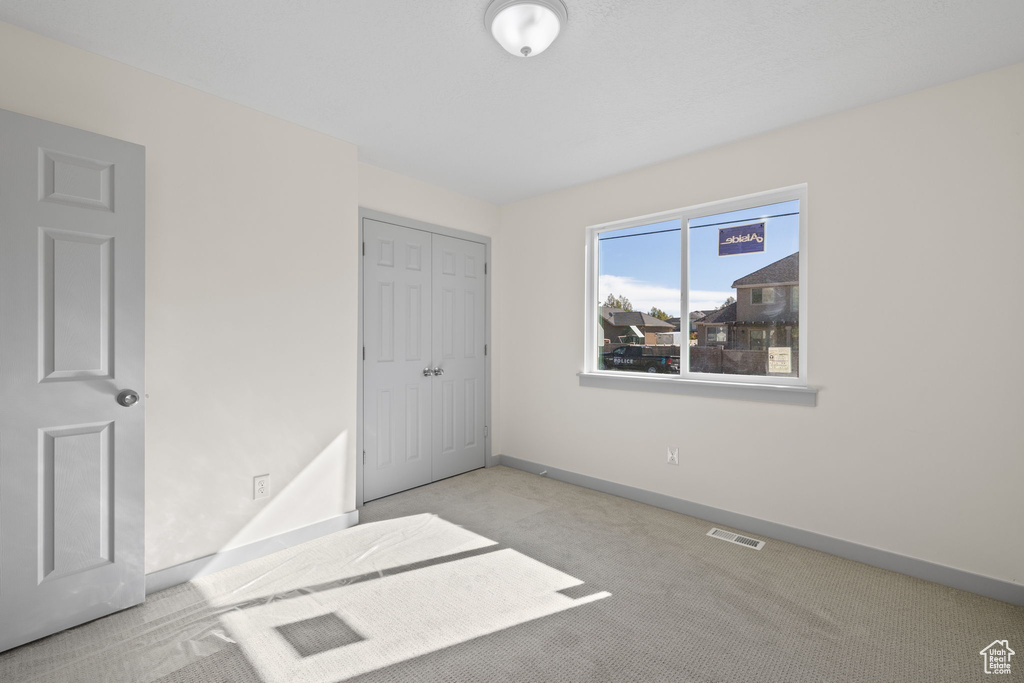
<point>766,311</point>
<point>714,327</point>
<point>631,326</point>
<point>675,323</point>
<point>697,316</point>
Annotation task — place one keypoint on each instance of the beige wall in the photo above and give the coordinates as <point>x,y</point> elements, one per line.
<point>909,449</point>
<point>401,195</point>
<point>250,292</point>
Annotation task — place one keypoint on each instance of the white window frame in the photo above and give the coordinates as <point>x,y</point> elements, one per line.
<point>794,390</point>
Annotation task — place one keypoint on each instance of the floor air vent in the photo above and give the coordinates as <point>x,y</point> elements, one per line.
<point>736,538</point>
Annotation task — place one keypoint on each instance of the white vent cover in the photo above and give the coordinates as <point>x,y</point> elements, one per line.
<point>736,538</point>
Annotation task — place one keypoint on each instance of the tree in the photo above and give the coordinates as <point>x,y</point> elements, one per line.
<point>656,312</point>
<point>618,302</point>
<point>730,300</point>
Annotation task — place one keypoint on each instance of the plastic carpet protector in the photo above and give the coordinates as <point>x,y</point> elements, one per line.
<point>337,607</point>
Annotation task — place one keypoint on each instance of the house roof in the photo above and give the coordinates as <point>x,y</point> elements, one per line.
<point>784,270</point>
<point>721,316</point>
<point>620,318</point>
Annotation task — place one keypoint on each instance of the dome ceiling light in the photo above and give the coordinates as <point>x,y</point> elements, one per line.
<point>525,27</point>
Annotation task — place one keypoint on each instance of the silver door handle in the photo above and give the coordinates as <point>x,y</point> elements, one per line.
<point>128,398</point>
<point>438,371</point>
<point>427,372</point>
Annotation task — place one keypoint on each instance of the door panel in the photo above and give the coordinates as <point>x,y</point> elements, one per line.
<point>459,292</point>
<point>75,530</point>
<point>77,293</point>
<point>72,293</point>
<point>397,410</point>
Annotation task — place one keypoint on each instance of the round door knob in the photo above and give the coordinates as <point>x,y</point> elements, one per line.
<point>427,372</point>
<point>438,371</point>
<point>128,398</point>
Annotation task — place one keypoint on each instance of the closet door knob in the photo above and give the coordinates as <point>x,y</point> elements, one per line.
<point>427,372</point>
<point>438,371</point>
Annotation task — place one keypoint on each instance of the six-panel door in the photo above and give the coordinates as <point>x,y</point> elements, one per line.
<point>397,411</point>
<point>459,393</point>
<point>424,390</point>
<point>72,296</point>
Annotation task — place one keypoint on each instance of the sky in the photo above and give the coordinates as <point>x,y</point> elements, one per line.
<point>645,267</point>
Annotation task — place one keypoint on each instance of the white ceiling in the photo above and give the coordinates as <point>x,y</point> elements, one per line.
<point>422,88</point>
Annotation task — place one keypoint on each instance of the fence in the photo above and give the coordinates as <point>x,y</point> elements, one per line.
<point>719,360</point>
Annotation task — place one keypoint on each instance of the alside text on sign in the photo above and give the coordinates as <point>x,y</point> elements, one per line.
<point>741,239</point>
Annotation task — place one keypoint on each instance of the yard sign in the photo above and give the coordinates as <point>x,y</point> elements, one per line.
<point>741,239</point>
<point>780,359</point>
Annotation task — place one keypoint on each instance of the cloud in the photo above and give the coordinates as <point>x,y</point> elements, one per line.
<point>643,295</point>
<point>704,300</point>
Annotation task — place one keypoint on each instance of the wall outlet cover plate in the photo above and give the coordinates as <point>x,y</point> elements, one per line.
<point>261,486</point>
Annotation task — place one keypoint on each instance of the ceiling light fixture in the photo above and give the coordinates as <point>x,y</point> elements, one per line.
<point>525,27</point>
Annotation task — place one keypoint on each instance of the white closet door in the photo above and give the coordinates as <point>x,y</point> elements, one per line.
<point>459,293</point>
<point>397,397</point>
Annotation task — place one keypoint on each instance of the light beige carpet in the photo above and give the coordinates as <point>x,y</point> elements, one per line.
<point>499,575</point>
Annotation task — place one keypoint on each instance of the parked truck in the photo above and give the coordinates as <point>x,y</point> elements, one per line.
<point>642,359</point>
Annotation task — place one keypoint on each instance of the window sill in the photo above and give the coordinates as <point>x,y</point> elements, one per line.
<point>765,393</point>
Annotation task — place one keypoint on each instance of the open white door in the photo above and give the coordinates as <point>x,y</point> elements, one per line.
<point>72,293</point>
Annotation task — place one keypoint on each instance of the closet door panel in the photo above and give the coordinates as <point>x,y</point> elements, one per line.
<point>397,397</point>
<point>459,393</point>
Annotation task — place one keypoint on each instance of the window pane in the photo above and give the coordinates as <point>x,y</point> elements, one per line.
<point>638,303</point>
<point>744,277</point>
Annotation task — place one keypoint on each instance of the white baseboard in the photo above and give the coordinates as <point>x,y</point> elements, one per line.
<point>186,571</point>
<point>876,557</point>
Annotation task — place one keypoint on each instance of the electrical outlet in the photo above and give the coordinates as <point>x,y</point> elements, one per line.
<point>673,455</point>
<point>261,486</point>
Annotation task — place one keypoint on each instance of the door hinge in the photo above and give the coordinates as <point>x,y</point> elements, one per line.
<point>485,349</point>
<point>486,431</point>
<point>364,248</point>
<point>485,268</point>
<point>364,457</point>
<point>364,353</point>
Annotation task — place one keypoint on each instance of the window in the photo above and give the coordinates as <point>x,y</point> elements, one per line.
<point>638,297</point>
<point>732,268</point>
<point>716,334</point>
<point>757,340</point>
